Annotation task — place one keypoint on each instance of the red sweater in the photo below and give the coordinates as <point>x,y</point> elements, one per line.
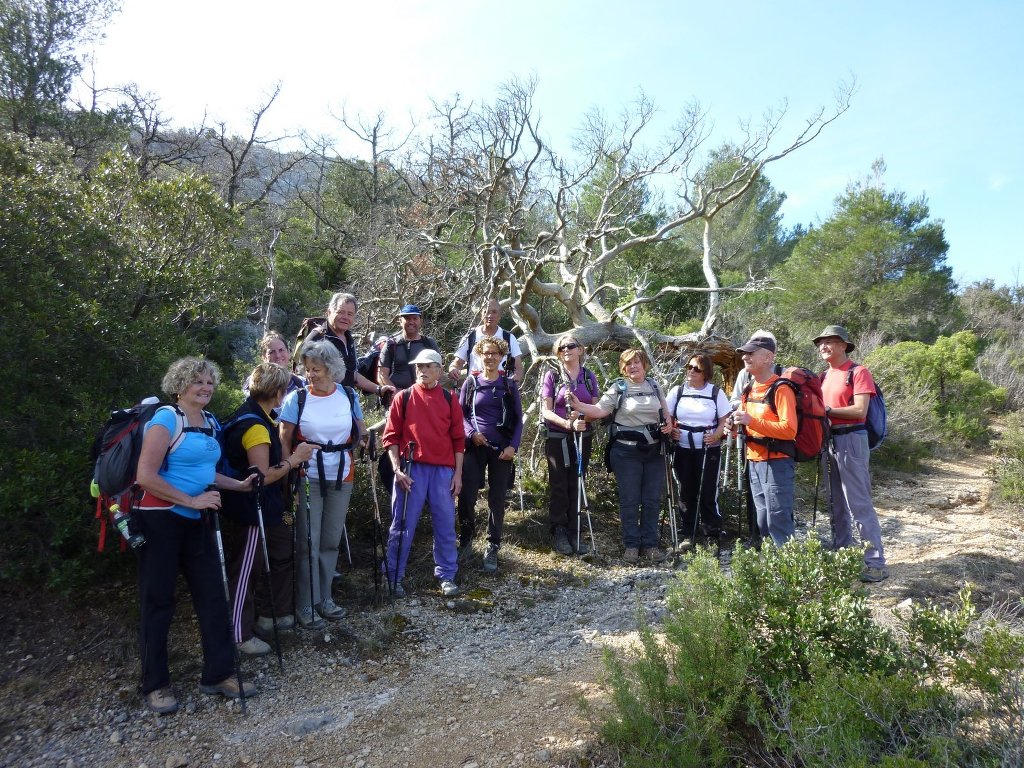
<point>430,422</point>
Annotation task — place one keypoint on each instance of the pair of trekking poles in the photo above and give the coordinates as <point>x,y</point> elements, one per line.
<point>673,493</point>
<point>582,502</point>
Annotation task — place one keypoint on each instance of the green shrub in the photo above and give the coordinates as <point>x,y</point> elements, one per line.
<point>933,392</point>
<point>783,664</point>
<point>1009,468</point>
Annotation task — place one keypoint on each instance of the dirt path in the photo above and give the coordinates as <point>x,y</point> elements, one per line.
<point>493,679</point>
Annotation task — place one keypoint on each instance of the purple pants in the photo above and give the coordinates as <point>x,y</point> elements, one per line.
<point>430,484</point>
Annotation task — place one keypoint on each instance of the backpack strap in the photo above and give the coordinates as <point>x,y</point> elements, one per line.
<point>773,444</point>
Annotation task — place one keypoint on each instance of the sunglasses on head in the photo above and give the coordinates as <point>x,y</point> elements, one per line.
<point>570,345</point>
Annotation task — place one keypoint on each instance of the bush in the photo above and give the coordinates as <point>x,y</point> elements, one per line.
<point>1009,469</point>
<point>783,664</point>
<point>933,392</point>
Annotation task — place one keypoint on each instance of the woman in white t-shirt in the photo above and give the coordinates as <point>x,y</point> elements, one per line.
<point>700,410</point>
<point>327,415</point>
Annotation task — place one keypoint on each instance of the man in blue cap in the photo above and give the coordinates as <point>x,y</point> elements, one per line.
<point>395,369</point>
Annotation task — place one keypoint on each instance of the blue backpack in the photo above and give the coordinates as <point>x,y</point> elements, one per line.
<point>877,418</point>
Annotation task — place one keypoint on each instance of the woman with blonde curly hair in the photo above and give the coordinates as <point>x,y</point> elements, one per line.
<point>177,470</point>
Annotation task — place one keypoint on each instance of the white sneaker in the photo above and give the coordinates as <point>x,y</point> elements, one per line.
<point>449,588</point>
<point>308,619</point>
<point>253,647</point>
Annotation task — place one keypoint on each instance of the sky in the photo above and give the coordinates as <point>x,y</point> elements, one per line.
<point>939,85</point>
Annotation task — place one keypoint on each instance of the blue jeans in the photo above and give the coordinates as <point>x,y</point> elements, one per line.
<point>771,485</point>
<point>640,475</point>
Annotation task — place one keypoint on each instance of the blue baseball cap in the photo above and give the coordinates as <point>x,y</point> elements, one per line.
<point>410,309</point>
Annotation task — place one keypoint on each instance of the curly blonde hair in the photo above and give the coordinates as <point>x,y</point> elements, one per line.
<point>185,372</point>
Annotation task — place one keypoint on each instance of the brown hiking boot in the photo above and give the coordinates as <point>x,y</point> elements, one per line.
<point>229,688</point>
<point>161,701</point>
<point>631,555</point>
<point>655,555</point>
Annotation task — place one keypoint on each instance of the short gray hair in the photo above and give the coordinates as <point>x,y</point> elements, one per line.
<point>327,355</point>
<point>185,372</point>
<point>339,300</point>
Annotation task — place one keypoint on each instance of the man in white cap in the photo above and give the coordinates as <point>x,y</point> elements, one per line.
<point>847,389</point>
<point>425,441</point>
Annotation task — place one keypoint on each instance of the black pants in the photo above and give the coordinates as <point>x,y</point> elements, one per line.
<point>688,465</point>
<point>478,462</point>
<point>563,480</point>
<point>174,543</point>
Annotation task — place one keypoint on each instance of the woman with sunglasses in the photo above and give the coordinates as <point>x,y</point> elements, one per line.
<point>560,447</point>
<point>701,411</point>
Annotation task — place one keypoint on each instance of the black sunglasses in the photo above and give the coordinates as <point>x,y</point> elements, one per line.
<point>570,345</point>
<point>695,368</point>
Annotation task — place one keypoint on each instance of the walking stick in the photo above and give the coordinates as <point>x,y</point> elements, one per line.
<point>370,455</point>
<point>728,456</point>
<point>266,562</point>
<point>409,452</point>
<point>227,597</point>
<point>582,503</point>
<point>700,490</point>
<point>672,495</point>
<point>309,543</point>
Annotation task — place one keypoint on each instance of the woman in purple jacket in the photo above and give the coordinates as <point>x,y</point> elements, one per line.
<point>493,416</point>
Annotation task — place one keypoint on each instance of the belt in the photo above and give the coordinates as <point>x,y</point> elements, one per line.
<point>845,430</point>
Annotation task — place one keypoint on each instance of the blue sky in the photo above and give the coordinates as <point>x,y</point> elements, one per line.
<point>940,89</point>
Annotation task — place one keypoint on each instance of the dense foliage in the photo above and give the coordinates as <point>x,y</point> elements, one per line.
<point>782,664</point>
<point>103,281</point>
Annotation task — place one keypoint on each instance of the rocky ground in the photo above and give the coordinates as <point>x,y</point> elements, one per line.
<point>496,677</point>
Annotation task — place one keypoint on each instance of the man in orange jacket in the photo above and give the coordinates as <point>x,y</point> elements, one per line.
<point>768,414</point>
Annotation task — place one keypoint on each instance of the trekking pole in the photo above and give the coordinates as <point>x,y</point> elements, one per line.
<point>268,583</point>
<point>671,495</point>
<point>309,544</point>
<point>728,457</point>
<point>817,486</point>
<point>215,517</point>
<point>348,550</point>
<point>582,503</point>
<point>700,491</point>
<point>409,451</point>
<point>370,455</point>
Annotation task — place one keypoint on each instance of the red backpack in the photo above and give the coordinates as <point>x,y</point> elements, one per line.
<point>810,414</point>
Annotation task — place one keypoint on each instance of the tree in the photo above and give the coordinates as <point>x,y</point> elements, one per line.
<point>103,280</point>
<point>500,213</point>
<point>877,266</point>
<point>37,58</point>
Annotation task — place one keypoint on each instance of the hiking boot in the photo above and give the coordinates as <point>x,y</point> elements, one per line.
<point>655,555</point>
<point>631,555</point>
<point>491,559</point>
<point>161,701</point>
<point>449,588</point>
<point>873,575</point>
<point>398,590</point>
<point>265,624</point>
<point>331,610</point>
<point>308,619</point>
<point>561,544</point>
<point>580,546</point>
<point>253,647</point>
<point>229,688</point>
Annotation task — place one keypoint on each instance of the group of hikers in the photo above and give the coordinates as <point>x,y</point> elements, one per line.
<point>280,469</point>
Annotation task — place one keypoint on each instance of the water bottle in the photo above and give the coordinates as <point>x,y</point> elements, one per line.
<point>121,518</point>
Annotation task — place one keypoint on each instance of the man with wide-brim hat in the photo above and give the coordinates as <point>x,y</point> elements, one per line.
<point>847,389</point>
<point>838,332</point>
<point>767,414</point>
